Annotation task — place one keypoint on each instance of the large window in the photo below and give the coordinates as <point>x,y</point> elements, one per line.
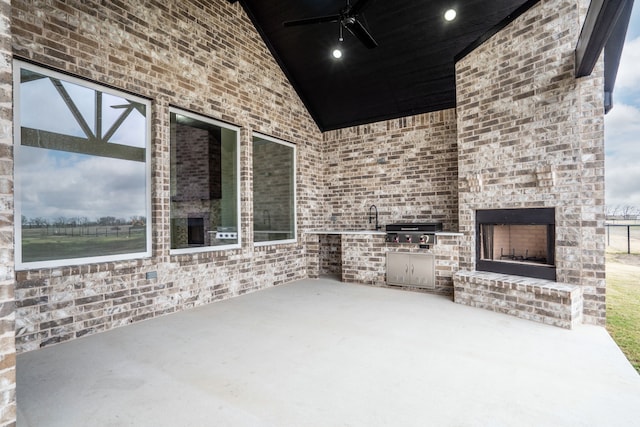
<point>81,171</point>
<point>274,189</point>
<point>205,207</point>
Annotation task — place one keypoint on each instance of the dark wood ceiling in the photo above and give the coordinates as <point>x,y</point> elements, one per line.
<point>410,72</point>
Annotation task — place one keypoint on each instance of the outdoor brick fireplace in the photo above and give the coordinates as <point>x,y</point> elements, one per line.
<point>515,268</point>
<point>532,160</point>
<point>516,241</point>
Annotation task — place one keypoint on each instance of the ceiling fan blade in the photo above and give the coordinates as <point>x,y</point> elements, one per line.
<point>314,20</point>
<point>357,7</point>
<point>356,28</point>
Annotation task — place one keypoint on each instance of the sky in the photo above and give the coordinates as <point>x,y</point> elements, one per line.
<point>622,125</point>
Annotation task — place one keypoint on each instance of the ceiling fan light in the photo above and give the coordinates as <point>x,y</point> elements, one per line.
<point>336,53</point>
<point>450,15</point>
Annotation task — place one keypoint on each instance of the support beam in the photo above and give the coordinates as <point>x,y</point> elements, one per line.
<point>613,52</point>
<point>602,17</point>
<point>73,144</point>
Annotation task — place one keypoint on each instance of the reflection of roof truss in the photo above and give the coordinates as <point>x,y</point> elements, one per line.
<point>97,143</point>
<point>74,144</point>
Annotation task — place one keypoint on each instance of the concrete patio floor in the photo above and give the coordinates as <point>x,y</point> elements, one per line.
<point>325,353</point>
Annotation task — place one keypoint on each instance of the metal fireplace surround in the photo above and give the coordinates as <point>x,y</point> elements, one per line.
<point>523,261</point>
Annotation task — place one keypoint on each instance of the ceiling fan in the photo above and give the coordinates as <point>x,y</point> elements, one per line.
<point>348,18</point>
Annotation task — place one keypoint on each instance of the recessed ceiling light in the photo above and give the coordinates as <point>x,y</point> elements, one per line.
<point>450,15</point>
<point>337,53</point>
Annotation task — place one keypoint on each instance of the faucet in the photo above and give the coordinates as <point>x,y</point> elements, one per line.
<point>373,209</point>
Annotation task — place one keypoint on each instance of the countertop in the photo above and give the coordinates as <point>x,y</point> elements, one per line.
<point>373,232</point>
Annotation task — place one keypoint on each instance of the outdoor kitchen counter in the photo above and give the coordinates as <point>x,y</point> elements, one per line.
<point>359,256</point>
<point>371,232</point>
<point>340,232</point>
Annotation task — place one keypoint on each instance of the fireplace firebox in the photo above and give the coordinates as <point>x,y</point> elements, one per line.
<point>516,241</point>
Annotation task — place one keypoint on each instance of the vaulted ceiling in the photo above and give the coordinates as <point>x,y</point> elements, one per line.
<point>412,69</point>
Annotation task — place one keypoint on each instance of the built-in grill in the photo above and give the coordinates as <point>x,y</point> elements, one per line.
<point>423,233</point>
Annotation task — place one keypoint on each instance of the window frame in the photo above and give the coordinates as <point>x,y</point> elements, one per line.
<point>228,126</point>
<point>295,191</point>
<point>19,65</point>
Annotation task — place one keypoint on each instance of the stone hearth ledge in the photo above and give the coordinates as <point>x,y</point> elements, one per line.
<point>544,301</point>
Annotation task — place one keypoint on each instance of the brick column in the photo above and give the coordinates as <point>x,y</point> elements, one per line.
<point>530,135</point>
<point>7,276</point>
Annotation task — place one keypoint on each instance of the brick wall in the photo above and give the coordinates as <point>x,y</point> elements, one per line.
<point>531,135</point>
<point>312,255</point>
<point>330,255</point>
<point>7,278</point>
<point>363,259</point>
<point>198,154</point>
<point>407,167</point>
<point>203,57</point>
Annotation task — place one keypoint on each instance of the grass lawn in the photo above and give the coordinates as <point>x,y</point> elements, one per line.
<point>623,304</point>
<point>44,248</point>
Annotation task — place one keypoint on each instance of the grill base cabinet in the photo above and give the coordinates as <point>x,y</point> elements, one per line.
<point>407,269</point>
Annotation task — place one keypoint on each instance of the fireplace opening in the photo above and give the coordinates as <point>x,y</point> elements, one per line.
<point>195,231</point>
<point>516,241</point>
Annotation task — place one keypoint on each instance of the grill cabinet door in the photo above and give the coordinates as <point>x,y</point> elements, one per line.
<point>423,271</point>
<point>398,268</point>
